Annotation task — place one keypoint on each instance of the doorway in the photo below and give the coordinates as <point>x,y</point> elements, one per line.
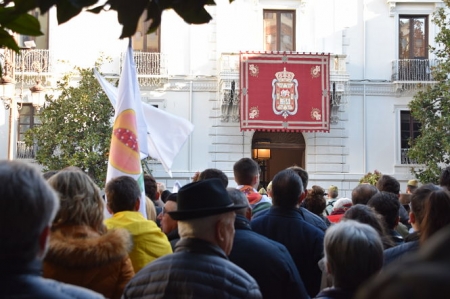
<point>286,149</point>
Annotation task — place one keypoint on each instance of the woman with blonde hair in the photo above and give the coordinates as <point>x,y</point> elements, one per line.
<point>81,250</point>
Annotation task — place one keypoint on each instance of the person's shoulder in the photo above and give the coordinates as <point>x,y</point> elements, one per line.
<point>64,290</point>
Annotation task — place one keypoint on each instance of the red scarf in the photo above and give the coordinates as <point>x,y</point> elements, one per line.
<point>252,196</point>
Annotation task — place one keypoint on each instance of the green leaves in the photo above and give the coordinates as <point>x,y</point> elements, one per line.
<point>431,108</point>
<point>76,128</point>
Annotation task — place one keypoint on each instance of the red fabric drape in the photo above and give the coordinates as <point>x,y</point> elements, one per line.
<point>285,92</point>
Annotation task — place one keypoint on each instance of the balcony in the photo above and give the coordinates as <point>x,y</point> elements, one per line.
<point>32,64</point>
<point>25,152</point>
<point>413,70</point>
<point>151,68</point>
<point>404,157</point>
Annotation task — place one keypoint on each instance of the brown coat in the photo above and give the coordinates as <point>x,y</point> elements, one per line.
<point>78,255</point>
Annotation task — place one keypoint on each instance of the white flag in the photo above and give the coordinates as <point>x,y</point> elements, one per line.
<point>126,142</point>
<point>166,133</point>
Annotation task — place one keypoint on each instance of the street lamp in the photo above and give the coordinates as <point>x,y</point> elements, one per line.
<point>38,95</point>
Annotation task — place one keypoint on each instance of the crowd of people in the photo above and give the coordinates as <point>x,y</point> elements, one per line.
<point>210,240</point>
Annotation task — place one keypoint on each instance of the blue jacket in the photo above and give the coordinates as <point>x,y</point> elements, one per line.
<point>197,269</point>
<point>267,261</point>
<point>306,215</point>
<point>23,280</point>
<point>398,252</point>
<point>303,241</point>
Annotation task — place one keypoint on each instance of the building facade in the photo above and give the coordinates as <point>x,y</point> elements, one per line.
<point>378,59</point>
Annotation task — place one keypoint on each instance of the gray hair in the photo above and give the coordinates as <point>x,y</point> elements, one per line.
<point>204,227</point>
<point>238,198</point>
<point>27,206</point>
<point>353,252</point>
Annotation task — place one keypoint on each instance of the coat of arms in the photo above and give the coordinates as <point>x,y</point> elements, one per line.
<point>284,94</point>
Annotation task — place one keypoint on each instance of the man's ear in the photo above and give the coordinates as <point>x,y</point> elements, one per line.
<point>157,195</point>
<point>43,240</point>
<point>137,205</point>
<point>412,218</point>
<point>302,197</point>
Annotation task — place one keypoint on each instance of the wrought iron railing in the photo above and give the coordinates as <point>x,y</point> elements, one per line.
<point>32,64</point>
<point>419,70</point>
<point>404,157</point>
<point>151,68</point>
<point>25,152</point>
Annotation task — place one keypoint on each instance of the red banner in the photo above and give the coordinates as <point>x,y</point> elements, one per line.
<point>285,92</point>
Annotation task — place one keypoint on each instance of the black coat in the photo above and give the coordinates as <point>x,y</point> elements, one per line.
<point>267,261</point>
<point>303,241</point>
<point>24,281</point>
<point>197,269</point>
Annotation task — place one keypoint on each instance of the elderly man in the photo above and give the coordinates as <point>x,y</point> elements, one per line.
<point>168,225</point>
<point>199,268</point>
<point>27,208</point>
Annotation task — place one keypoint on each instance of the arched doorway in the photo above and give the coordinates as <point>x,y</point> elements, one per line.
<point>286,149</point>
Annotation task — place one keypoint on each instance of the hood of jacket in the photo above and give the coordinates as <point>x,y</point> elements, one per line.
<point>81,246</point>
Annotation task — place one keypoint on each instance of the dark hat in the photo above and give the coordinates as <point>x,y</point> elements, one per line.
<point>203,198</point>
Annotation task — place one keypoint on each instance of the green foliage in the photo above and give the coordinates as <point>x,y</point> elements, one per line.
<point>371,178</point>
<point>76,128</point>
<point>431,108</point>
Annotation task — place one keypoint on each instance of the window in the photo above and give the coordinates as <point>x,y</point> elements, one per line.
<point>413,37</point>
<point>409,130</point>
<point>143,42</point>
<point>413,48</point>
<point>279,30</point>
<point>28,118</point>
<point>41,41</point>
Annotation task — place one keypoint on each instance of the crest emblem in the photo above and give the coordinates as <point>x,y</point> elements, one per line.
<point>254,112</point>
<point>284,94</point>
<point>315,71</point>
<point>254,70</point>
<point>315,114</point>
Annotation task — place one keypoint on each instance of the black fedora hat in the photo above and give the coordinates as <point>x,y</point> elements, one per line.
<point>201,199</point>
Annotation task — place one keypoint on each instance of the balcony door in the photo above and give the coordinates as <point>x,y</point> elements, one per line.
<point>413,48</point>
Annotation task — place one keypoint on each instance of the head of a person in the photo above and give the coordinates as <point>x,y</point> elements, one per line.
<point>444,178</point>
<point>79,198</point>
<point>211,173</point>
<point>123,194</point>
<point>353,253</point>
<point>333,192</point>
<point>417,203</point>
<point>287,189</point>
<point>151,187</point>
<point>412,186</point>
<point>164,195</point>
<point>365,214</point>
<point>303,174</point>
<point>27,208</point>
<point>388,183</point>
<point>205,211</point>
<point>315,200</point>
<point>48,174</point>
<point>269,189</point>
<point>246,172</point>
<point>436,214</point>
<point>342,204</point>
<point>239,198</point>
<point>387,205</point>
<point>166,222</point>
<point>362,193</point>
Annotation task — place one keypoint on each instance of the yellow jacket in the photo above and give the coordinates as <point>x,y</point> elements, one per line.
<point>149,242</point>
